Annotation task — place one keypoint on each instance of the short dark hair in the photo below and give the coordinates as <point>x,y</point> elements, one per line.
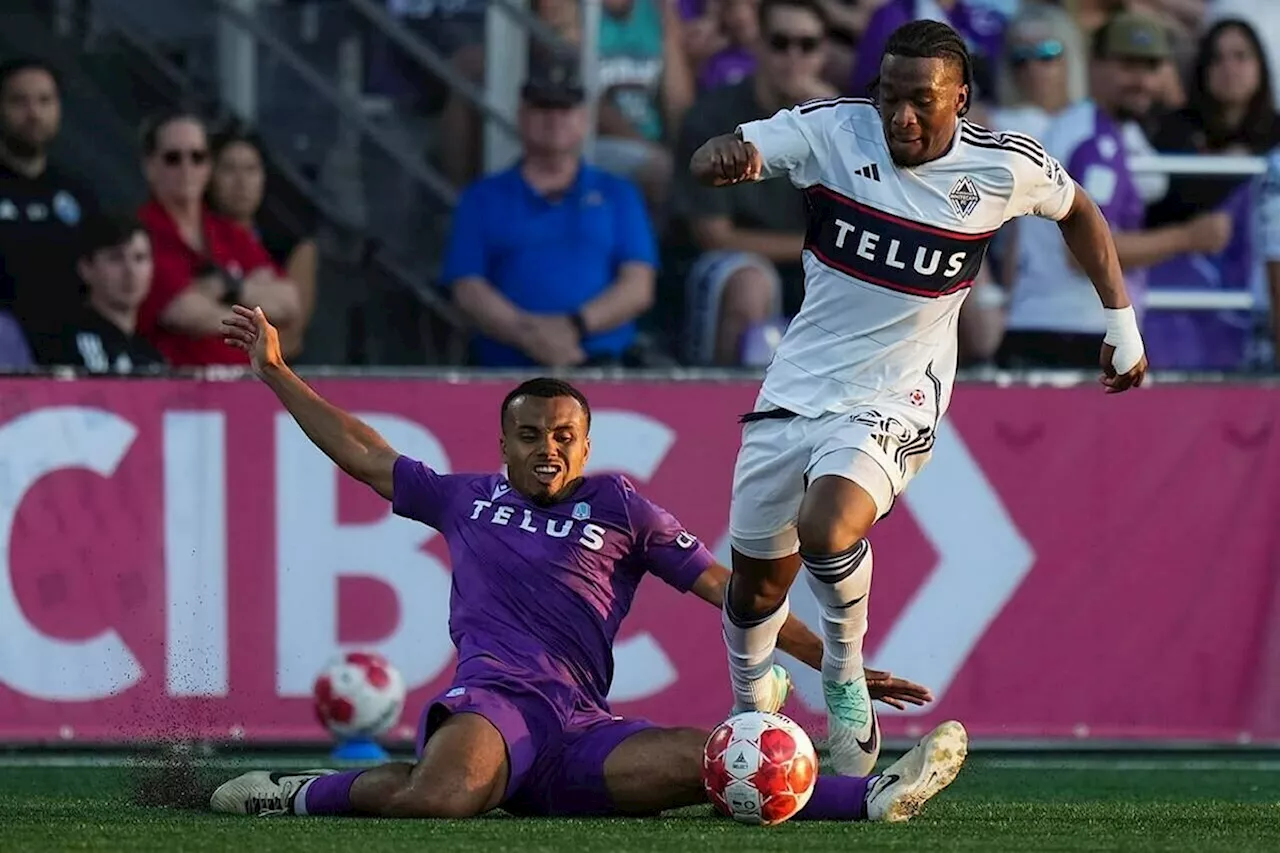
<point>814,8</point>
<point>234,133</point>
<point>927,39</point>
<point>546,388</point>
<point>106,231</point>
<point>152,125</point>
<point>13,67</point>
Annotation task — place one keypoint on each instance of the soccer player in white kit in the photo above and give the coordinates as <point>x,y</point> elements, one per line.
<point>904,196</point>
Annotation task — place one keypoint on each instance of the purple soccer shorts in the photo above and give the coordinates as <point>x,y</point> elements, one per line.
<point>556,757</point>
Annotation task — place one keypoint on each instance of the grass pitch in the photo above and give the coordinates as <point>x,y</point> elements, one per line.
<point>999,803</point>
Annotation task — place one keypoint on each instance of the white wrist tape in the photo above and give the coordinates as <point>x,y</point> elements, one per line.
<point>1123,334</point>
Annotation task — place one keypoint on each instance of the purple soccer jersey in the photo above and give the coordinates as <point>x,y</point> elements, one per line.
<point>539,592</point>
<point>1097,159</point>
<point>1099,162</point>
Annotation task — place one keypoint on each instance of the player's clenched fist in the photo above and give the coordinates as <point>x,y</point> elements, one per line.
<point>724,160</point>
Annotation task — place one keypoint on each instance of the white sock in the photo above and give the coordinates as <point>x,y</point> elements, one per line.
<point>841,583</point>
<point>751,643</point>
<point>300,798</point>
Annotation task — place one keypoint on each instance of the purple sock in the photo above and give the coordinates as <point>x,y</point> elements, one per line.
<point>327,795</point>
<point>837,798</point>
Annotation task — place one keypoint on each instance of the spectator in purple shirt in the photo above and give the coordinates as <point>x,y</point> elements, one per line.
<point>739,22</point>
<point>982,28</point>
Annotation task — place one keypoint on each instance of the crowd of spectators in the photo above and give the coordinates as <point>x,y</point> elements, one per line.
<point>118,292</point>
<point>1099,81</point>
<point>597,248</point>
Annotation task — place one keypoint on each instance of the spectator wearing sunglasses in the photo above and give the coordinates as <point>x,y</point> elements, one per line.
<point>1042,70</point>
<point>204,262</point>
<point>749,236</point>
<point>41,207</point>
<point>1054,318</point>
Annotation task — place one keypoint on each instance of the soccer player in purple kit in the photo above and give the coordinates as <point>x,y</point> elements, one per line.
<point>545,564</point>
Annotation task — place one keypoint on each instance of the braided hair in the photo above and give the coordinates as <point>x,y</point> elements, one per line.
<point>927,39</point>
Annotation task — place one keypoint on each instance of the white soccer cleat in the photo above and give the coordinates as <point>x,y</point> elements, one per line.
<point>262,793</point>
<point>779,692</point>
<point>901,791</point>
<point>853,730</point>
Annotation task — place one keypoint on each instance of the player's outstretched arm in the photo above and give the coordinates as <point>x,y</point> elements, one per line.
<point>1085,230</point>
<point>352,444</point>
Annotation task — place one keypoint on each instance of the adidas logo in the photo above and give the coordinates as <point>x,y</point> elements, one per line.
<point>871,171</point>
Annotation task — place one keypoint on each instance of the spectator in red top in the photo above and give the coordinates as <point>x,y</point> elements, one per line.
<point>204,263</point>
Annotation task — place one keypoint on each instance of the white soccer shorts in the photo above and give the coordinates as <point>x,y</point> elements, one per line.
<point>879,447</point>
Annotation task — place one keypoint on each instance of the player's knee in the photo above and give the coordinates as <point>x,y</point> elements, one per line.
<point>437,802</point>
<point>685,768</point>
<point>748,295</point>
<point>834,518</point>
<point>827,534</point>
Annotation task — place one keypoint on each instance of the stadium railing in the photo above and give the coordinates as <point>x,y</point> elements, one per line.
<point>1241,299</point>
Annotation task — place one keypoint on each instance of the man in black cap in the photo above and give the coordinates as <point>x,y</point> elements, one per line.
<point>553,259</point>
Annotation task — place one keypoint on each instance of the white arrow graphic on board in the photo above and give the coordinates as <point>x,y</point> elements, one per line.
<point>633,444</point>
<point>982,559</point>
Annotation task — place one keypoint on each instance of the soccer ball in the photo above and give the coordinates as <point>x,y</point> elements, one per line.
<point>358,695</point>
<point>759,768</point>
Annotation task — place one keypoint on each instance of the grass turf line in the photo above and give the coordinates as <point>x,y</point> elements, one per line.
<point>991,807</point>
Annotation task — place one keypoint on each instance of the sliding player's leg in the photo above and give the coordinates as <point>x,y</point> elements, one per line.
<point>629,767</point>
<point>768,484</point>
<point>854,476</point>
<point>476,749</point>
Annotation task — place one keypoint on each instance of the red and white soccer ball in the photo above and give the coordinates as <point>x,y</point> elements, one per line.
<point>759,768</point>
<point>358,695</point>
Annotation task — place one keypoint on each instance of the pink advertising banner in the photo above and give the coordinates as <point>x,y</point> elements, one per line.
<point>177,560</point>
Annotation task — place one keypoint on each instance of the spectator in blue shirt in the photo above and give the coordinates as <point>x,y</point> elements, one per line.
<point>552,260</point>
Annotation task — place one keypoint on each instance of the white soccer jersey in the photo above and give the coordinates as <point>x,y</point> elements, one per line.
<point>890,252</point>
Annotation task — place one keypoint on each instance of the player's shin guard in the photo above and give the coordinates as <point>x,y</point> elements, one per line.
<point>751,641</point>
<point>841,583</point>
<point>326,795</point>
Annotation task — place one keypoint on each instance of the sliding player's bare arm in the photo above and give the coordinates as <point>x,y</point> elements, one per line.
<point>353,445</point>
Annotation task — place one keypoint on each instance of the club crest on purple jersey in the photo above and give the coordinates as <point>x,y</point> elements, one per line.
<point>581,510</point>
